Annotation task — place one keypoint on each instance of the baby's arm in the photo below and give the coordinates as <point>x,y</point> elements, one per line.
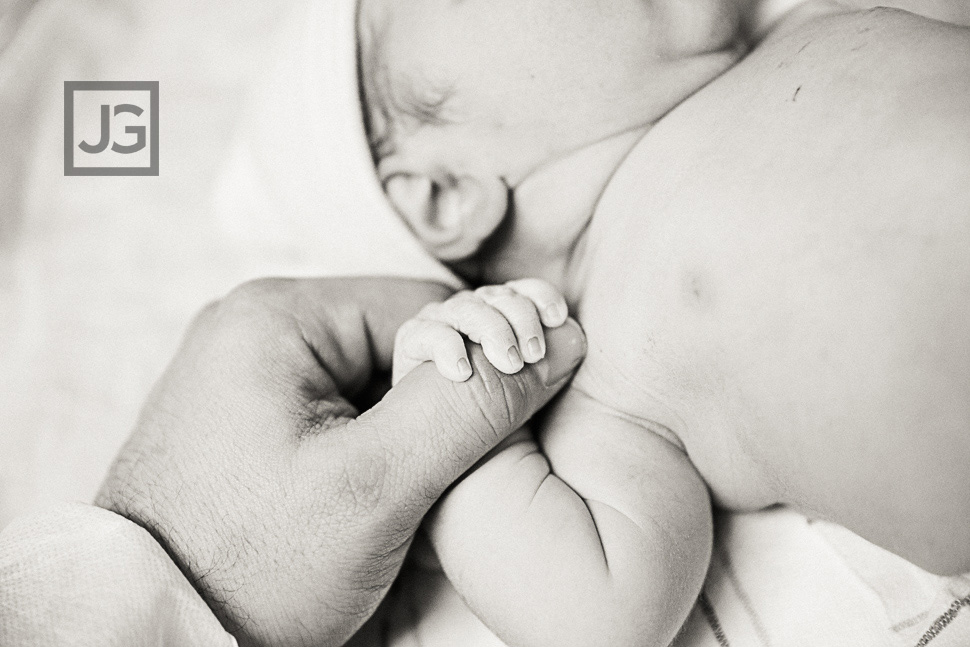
<point>601,537</point>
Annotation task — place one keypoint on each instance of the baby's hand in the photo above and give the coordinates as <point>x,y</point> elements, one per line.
<point>506,320</point>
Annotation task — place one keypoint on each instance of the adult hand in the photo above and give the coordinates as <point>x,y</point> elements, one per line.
<point>290,512</point>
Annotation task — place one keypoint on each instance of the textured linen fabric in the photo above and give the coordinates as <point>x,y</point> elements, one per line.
<point>776,580</point>
<point>81,576</point>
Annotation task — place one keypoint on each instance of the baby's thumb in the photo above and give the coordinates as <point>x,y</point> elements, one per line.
<point>433,430</point>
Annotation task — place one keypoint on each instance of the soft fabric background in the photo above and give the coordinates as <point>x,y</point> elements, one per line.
<point>99,276</point>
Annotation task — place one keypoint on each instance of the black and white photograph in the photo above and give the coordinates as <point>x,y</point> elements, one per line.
<point>484,323</point>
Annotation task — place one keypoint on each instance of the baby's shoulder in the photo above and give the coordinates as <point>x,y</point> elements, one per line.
<point>872,39</point>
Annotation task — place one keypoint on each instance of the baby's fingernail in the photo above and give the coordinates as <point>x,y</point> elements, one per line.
<point>535,349</point>
<point>553,313</point>
<point>464,368</point>
<point>514,358</point>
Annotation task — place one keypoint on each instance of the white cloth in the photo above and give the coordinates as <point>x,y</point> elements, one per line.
<point>99,276</point>
<point>776,580</point>
<point>80,576</point>
<point>300,156</point>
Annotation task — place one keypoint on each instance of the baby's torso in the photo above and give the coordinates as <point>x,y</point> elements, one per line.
<point>763,280</point>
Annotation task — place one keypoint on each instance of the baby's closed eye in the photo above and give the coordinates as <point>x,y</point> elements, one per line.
<point>507,320</point>
<point>427,103</point>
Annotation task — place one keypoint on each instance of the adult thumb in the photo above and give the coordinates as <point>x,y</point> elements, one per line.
<point>433,430</point>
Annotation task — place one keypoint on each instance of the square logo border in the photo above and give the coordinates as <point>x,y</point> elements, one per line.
<point>70,87</point>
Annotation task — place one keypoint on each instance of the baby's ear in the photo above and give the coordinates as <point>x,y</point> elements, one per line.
<point>451,215</point>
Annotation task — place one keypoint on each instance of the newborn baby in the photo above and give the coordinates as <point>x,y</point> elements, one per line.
<point>496,128</point>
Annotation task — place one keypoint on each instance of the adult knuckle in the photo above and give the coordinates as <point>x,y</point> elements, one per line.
<point>251,308</point>
<point>207,317</point>
<point>258,292</point>
<point>358,487</point>
<point>501,400</point>
<point>462,419</point>
<point>245,302</point>
<point>476,425</point>
<point>324,414</point>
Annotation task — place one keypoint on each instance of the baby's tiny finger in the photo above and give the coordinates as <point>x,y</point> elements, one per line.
<point>548,300</point>
<point>423,340</point>
<point>453,364</point>
<point>521,314</point>
<point>482,324</point>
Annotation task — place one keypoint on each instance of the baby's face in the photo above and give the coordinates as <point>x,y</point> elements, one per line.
<point>484,110</point>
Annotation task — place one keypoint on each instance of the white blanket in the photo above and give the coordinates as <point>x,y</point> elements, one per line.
<point>99,276</point>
